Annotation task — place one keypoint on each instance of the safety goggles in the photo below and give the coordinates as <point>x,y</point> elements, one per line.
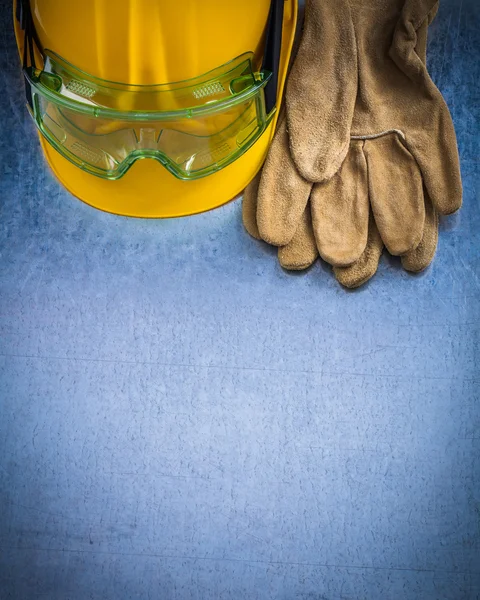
<point>193,128</point>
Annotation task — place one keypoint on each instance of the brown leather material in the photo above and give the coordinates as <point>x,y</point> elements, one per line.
<point>321,90</point>
<point>421,257</point>
<point>398,141</point>
<point>283,193</point>
<point>366,266</point>
<point>249,208</point>
<point>302,251</point>
<point>396,193</point>
<point>340,210</point>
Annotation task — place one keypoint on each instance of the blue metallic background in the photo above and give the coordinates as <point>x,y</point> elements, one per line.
<point>182,420</point>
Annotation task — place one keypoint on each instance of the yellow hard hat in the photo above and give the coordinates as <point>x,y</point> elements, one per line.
<point>192,87</point>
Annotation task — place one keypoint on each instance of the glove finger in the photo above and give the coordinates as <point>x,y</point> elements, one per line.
<point>340,210</point>
<point>283,194</point>
<point>432,139</point>
<point>302,251</point>
<point>322,89</point>
<point>421,257</point>
<point>409,43</point>
<point>249,207</point>
<point>436,152</point>
<point>396,193</point>
<point>366,266</point>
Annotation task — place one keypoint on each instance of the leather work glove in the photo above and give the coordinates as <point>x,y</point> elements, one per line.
<point>302,251</point>
<point>401,165</point>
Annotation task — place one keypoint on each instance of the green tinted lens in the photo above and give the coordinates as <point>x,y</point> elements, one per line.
<point>193,128</point>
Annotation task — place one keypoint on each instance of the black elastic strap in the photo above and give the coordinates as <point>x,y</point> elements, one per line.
<point>30,38</point>
<point>19,13</point>
<point>273,47</point>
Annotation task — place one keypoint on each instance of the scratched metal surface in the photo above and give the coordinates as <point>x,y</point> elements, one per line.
<point>180,419</point>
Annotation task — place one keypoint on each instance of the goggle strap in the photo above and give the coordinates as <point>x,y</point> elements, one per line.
<point>20,14</point>
<point>25,19</point>
<point>273,47</point>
